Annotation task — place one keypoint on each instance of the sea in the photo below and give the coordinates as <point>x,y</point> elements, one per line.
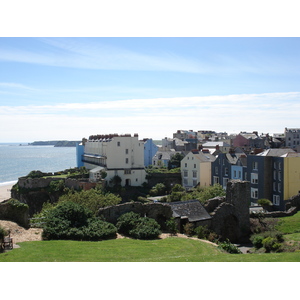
<point>17,160</point>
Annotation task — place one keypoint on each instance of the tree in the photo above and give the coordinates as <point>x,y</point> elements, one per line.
<point>92,199</point>
<point>175,160</point>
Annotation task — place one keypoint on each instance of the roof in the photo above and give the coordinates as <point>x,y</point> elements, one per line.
<point>214,144</point>
<point>276,152</point>
<point>191,209</point>
<point>204,157</point>
<point>97,169</point>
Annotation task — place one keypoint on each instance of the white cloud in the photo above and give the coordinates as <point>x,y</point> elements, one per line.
<point>154,118</point>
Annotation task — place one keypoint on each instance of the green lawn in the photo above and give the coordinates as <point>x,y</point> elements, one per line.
<point>128,250</point>
<point>289,225</point>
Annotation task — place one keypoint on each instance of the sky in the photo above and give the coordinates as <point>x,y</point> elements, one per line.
<point>70,88</point>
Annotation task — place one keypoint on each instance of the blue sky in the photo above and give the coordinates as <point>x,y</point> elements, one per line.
<point>69,88</point>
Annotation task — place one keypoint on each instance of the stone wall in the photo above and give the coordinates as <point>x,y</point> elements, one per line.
<point>158,211</point>
<point>35,183</point>
<point>12,210</point>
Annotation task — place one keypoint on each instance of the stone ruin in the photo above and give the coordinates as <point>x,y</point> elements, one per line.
<point>227,216</point>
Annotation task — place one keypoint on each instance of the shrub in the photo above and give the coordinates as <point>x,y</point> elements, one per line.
<point>3,232</point>
<point>202,232</point>
<point>146,228</point>
<point>188,229</point>
<point>127,222</point>
<point>72,221</point>
<point>230,248</point>
<point>158,189</point>
<point>172,226</point>
<point>257,241</point>
<point>133,225</point>
<point>271,244</point>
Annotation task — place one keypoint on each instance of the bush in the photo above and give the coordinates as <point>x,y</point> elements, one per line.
<point>127,222</point>
<point>271,244</point>
<point>158,190</point>
<point>172,226</point>
<point>188,229</point>
<point>202,232</point>
<point>257,241</point>
<point>228,247</point>
<point>3,232</point>
<point>132,224</point>
<point>145,229</point>
<point>72,221</point>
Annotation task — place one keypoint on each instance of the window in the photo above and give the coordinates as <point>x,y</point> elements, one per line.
<point>194,182</point>
<point>240,174</point>
<point>216,179</point>
<point>185,165</point>
<point>225,181</point>
<point>276,200</point>
<point>126,151</point>
<point>185,181</point>
<point>234,173</point>
<point>194,174</point>
<point>226,171</point>
<point>126,160</point>
<point>279,187</point>
<point>118,144</point>
<point>185,174</point>
<point>254,193</point>
<point>216,170</point>
<point>194,166</point>
<point>254,178</point>
<point>274,175</point>
<point>274,186</point>
<point>127,171</point>
<point>279,175</point>
<point>255,165</point>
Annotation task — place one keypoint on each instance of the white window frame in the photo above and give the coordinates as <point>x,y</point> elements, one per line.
<point>254,193</point>
<point>276,200</point>
<point>254,178</point>
<point>216,180</point>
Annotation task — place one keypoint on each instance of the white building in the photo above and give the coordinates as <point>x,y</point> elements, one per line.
<point>196,169</point>
<point>118,155</point>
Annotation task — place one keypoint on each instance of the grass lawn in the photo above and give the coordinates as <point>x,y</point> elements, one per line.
<point>289,225</point>
<point>128,250</point>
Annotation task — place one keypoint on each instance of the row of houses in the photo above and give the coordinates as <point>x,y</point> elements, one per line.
<point>209,158</point>
<point>273,174</point>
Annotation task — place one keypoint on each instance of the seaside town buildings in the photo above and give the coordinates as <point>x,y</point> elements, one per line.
<point>270,163</point>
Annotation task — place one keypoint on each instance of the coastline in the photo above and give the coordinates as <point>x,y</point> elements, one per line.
<point>5,190</point>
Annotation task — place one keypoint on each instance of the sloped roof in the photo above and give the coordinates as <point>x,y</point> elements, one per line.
<point>192,209</point>
<point>214,144</point>
<point>275,152</point>
<point>204,157</point>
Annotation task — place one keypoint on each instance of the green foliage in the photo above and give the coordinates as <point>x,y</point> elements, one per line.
<point>264,202</point>
<point>188,229</point>
<point>56,186</point>
<point>92,199</point>
<point>3,232</point>
<point>172,226</point>
<point>17,204</point>
<point>158,190</point>
<point>271,244</point>
<point>132,224</point>
<point>35,174</point>
<point>72,221</point>
<point>257,241</point>
<point>145,229</point>
<point>175,160</point>
<point>202,232</point>
<point>205,193</point>
<point>229,247</point>
<point>178,188</point>
<point>127,222</point>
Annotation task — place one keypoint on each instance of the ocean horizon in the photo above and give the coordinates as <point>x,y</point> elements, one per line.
<point>17,161</point>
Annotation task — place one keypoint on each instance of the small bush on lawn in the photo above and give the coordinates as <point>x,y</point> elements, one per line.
<point>3,233</point>
<point>72,221</point>
<point>132,224</point>
<point>228,247</point>
<point>172,226</point>
<point>145,229</point>
<point>202,232</point>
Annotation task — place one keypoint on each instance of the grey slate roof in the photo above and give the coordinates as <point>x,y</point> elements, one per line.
<point>192,209</point>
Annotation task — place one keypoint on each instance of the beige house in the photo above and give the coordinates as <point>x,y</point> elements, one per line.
<point>118,155</point>
<point>196,169</point>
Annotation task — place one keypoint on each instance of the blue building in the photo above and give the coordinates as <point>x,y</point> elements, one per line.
<point>150,150</point>
<point>79,154</point>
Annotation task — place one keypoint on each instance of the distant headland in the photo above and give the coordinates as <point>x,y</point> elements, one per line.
<point>54,143</point>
